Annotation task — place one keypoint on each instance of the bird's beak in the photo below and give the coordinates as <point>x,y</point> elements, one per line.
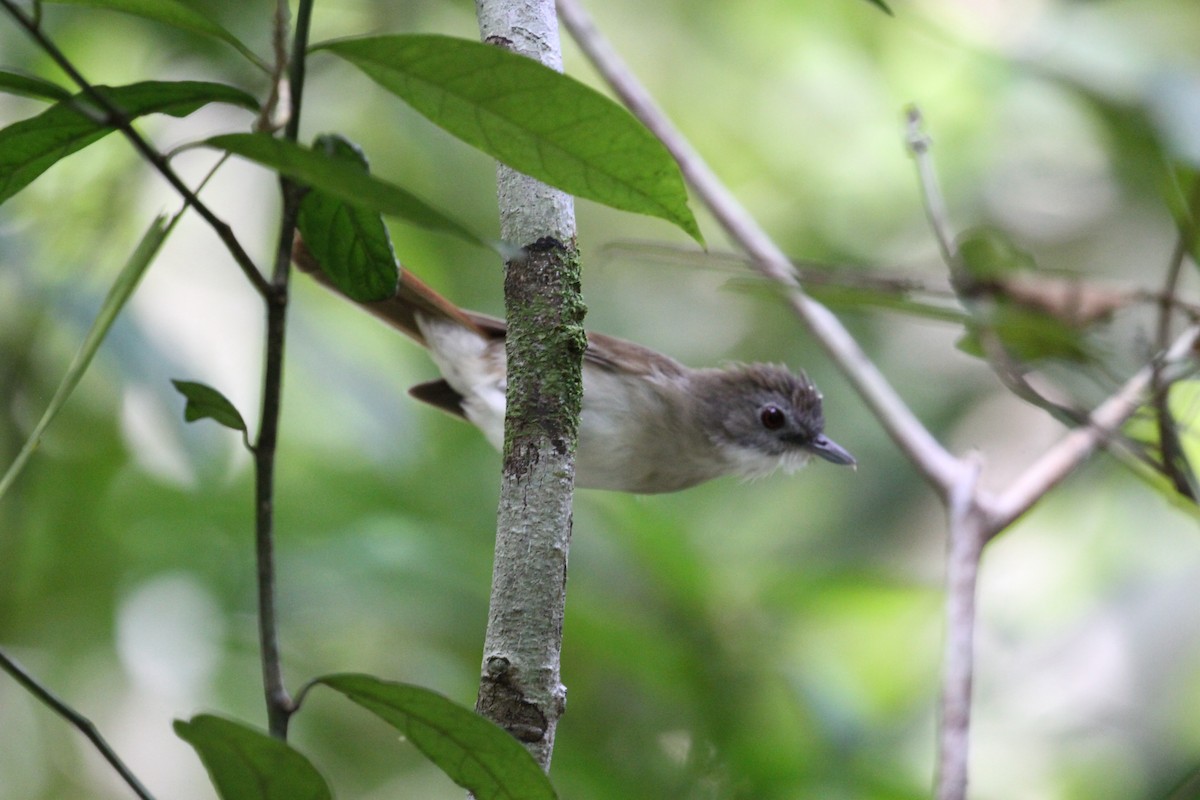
<point>831,451</point>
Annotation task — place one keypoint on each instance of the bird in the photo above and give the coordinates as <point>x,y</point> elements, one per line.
<point>648,423</point>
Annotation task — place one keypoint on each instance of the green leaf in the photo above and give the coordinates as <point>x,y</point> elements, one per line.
<point>350,242</point>
<point>1183,407</point>
<point>337,178</point>
<point>990,254</point>
<point>30,147</point>
<point>532,118</point>
<point>246,764</point>
<point>205,402</point>
<point>1027,335</point>
<point>31,86</point>
<point>118,295</point>
<point>474,752</point>
<point>174,13</point>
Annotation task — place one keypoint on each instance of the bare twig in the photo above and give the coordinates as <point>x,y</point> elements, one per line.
<point>967,537</point>
<point>279,704</point>
<point>939,467</point>
<point>931,192</point>
<point>117,119</point>
<point>82,723</point>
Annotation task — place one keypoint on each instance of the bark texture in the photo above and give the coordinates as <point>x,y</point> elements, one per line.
<point>520,686</point>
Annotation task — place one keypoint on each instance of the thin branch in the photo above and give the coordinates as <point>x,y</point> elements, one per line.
<point>1076,446</point>
<point>967,538</point>
<point>931,192</point>
<point>279,705</point>
<point>81,723</point>
<point>933,461</point>
<point>117,119</point>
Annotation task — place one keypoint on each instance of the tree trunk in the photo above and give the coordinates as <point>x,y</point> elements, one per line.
<point>520,686</point>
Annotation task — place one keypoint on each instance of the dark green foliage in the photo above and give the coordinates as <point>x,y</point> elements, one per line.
<point>205,402</point>
<point>350,242</point>
<point>247,764</point>
<point>340,179</point>
<point>30,147</point>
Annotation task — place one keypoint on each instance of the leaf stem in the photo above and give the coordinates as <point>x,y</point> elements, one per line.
<point>117,119</point>
<point>81,723</point>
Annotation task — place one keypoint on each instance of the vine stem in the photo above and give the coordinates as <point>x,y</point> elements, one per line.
<point>280,706</point>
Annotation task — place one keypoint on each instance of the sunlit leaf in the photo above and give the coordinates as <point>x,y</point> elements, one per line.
<point>31,86</point>
<point>120,292</point>
<point>339,179</point>
<point>1183,407</point>
<point>535,120</point>
<point>246,764</point>
<point>174,13</point>
<point>474,752</point>
<point>205,402</point>
<point>350,242</point>
<point>30,147</point>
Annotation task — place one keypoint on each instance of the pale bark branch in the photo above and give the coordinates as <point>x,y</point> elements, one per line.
<point>966,540</point>
<point>520,685</point>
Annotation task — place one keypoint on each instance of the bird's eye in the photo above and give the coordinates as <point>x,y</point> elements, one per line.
<point>772,418</point>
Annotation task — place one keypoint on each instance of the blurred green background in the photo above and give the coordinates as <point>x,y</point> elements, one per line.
<point>778,639</point>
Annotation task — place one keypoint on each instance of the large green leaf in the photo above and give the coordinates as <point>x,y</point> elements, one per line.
<point>30,147</point>
<point>340,179</point>
<point>474,752</point>
<point>174,13</point>
<point>118,295</point>
<point>246,764</point>
<point>532,118</point>
<point>350,242</point>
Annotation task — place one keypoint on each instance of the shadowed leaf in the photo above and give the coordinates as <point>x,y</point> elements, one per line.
<point>31,86</point>
<point>246,764</point>
<point>30,147</point>
<point>339,179</point>
<point>350,242</point>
